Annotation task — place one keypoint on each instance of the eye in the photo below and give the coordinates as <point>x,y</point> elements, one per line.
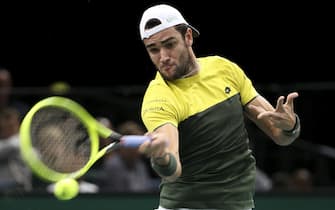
<point>170,45</point>
<point>153,50</point>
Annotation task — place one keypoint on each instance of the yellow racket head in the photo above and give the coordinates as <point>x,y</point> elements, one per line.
<point>59,139</point>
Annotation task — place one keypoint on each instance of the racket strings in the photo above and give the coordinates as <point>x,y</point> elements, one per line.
<point>60,139</point>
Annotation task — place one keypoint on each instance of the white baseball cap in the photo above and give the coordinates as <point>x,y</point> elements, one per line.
<point>167,15</point>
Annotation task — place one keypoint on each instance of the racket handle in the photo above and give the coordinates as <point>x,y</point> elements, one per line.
<point>133,140</point>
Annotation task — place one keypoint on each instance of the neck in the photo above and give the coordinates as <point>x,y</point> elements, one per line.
<point>193,66</point>
<point>194,69</point>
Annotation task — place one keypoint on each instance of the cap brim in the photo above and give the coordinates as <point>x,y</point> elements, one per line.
<point>196,33</point>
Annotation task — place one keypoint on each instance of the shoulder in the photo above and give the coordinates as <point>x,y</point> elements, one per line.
<point>216,62</point>
<point>219,65</point>
<point>216,59</point>
<point>157,87</point>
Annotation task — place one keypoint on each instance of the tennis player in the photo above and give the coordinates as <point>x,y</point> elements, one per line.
<point>194,111</point>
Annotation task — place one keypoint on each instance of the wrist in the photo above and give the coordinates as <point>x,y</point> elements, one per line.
<point>295,131</point>
<point>163,160</point>
<point>167,169</point>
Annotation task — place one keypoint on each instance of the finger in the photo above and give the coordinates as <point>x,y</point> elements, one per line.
<point>291,97</point>
<point>144,147</point>
<point>280,103</point>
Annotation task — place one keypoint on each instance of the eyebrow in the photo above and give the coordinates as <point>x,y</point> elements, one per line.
<point>162,42</point>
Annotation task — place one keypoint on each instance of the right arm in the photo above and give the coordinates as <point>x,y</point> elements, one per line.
<point>163,150</point>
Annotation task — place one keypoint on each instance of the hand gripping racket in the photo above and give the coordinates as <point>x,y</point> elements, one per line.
<point>60,139</point>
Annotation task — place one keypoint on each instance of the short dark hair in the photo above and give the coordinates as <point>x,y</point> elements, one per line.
<point>182,28</point>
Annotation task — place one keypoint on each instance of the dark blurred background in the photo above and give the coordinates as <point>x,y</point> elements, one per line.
<point>282,46</point>
<point>281,41</point>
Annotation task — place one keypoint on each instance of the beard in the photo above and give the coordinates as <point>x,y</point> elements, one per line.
<point>182,69</point>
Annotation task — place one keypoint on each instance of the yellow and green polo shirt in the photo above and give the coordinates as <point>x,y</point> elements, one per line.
<point>218,169</point>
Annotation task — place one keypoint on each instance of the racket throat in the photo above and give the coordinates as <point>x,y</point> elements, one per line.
<point>114,138</point>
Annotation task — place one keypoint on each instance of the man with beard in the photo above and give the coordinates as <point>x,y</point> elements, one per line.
<point>194,111</point>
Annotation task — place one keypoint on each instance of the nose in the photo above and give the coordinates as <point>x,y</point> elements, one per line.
<point>164,55</point>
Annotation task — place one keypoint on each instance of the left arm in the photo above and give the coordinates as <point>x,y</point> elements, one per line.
<point>281,123</point>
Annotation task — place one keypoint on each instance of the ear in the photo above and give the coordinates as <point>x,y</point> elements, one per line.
<point>189,37</point>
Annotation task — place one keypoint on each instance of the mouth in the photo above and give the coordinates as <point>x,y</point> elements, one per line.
<point>166,68</point>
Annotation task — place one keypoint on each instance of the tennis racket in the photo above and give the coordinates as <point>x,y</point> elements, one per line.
<point>60,139</point>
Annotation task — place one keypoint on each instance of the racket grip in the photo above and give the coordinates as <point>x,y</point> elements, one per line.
<point>133,140</point>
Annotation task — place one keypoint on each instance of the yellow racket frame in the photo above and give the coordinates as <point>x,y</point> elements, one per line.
<point>94,129</point>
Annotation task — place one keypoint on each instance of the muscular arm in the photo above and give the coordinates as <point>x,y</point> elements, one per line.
<point>162,148</point>
<point>276,122</point>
